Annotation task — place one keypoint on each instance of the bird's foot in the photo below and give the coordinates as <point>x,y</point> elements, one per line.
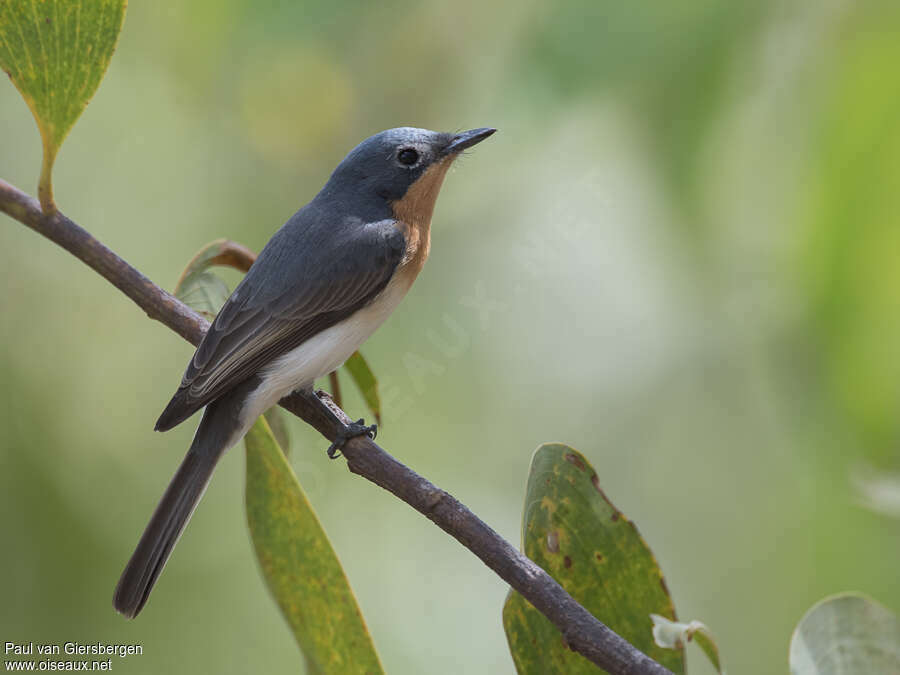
<point>352,430</point>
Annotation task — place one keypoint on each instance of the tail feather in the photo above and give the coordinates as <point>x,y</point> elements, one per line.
<point>162,533</point>
<point>220,428</point>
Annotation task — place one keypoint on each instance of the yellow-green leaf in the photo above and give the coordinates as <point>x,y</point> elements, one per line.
<point>56,52</point>
<point>364,379</point>
<point>275,417</point>
<point>574,532</point>
<point>299,565</point>
<point>846,634</point>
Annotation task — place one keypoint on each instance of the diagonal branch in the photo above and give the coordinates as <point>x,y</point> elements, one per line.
<point>581,631</point>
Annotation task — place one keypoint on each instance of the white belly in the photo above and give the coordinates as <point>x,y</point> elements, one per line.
<point>321,354</point>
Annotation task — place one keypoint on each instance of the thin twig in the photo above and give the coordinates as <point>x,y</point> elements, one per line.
<point>581,631</point>
<point>335,385</point>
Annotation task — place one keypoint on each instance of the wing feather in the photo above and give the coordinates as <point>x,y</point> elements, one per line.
<point>304,281</point>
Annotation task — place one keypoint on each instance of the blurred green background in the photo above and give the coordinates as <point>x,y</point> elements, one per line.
<point>681,255</point>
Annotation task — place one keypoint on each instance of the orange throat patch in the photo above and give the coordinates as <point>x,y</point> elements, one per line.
<point>414,212</point>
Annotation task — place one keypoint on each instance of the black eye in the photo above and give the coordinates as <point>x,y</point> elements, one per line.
<point>408,156</point>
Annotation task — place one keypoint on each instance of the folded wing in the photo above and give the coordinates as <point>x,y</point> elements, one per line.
<point>310,276</point>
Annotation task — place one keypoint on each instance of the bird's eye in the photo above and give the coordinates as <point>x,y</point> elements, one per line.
<point>408,156</point>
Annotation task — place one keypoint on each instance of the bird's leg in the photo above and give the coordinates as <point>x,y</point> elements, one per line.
<point>345,431</point>
<point>348,431</point>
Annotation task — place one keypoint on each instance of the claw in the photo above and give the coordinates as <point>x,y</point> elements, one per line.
<point>352,430</point>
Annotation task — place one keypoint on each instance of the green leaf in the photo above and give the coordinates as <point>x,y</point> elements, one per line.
<point>56,52</point>
<point>275,417</point>
<point>675,635</point>
<point>364,378</point>
<point>299,565</point>
<point>846,634</point>
<point>574,532</point>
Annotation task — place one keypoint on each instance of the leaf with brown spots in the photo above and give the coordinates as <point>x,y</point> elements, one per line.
<point>572,530</point>
<point>56,52</point>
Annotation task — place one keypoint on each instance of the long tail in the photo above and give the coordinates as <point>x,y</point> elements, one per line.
<point>218,431</point>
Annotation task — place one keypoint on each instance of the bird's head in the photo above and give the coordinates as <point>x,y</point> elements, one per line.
<point>401,169</point>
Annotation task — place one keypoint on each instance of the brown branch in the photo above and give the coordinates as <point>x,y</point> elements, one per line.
<point>581,631</point>
<point>158,304</point>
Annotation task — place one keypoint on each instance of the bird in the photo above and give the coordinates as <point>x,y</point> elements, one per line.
<point>324,282</point>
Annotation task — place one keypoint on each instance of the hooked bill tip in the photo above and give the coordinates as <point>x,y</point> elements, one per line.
<point>467,139</point>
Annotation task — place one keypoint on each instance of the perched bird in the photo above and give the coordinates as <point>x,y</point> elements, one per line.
<point>320,287</point>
